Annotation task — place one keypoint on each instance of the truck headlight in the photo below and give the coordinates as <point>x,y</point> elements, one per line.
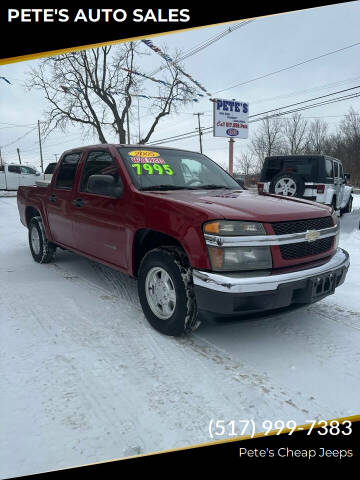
<point>240,258</point>
<point>237,258</point>
<point>233,228</point>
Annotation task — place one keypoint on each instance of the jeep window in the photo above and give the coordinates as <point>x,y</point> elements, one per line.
<point>162,168</point>
<point>341,174</point>
<point>98,163</point>
<point>336,169</point>
<point>67,171</point>
<point>329,171</point>
<point>302,167</point>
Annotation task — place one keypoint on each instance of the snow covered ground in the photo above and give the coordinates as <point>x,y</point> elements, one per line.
<point>84,378</point>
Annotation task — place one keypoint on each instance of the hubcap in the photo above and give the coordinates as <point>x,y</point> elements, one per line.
<point>285,186</point>
<point>160,293</point>
<point>35,240</point>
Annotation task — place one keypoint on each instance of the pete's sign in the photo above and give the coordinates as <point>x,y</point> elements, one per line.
<point>231,118</point>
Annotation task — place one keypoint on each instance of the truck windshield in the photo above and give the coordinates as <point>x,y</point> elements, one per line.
<point>167,169</point>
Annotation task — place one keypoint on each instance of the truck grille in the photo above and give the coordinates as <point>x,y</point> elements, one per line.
<point>293,251</point>
<point>298,226</point>
<point>305,249</point>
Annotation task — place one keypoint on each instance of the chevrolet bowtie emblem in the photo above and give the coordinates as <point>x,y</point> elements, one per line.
<point>312,235</point>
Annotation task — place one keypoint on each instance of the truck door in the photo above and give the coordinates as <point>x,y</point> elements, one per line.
<point>99,218</point>
<point>12,177</point>
<point>59,203</point>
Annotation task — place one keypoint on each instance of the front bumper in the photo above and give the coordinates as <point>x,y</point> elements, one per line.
<point>250,292</point>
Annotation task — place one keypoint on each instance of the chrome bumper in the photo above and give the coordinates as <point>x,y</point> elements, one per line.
<point>261,282</point>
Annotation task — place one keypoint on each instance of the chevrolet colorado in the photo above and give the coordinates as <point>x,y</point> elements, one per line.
<point>194,239</point>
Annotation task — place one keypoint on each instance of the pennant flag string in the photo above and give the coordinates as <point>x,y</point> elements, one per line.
<point>186,89</point>
<point>121,92</point>
<point>166,57</point>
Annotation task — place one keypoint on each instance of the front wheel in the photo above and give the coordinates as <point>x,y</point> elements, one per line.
<point>166,291</point>
<point>41,249</point>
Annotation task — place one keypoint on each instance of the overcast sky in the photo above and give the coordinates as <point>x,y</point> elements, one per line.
<point>259,48</point>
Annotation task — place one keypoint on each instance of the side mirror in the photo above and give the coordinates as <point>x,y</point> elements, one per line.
<point>347,176</point>
<point>104,185</point>
<point>37,174</point>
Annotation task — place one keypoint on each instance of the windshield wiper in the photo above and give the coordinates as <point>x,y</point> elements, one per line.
<point>164,187</point>
<point>212,186</point>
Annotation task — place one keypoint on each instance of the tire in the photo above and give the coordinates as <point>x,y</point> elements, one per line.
<point>288,185</point>
<point>348,207</point>
<point>166,291</point>
<point>41,249</point>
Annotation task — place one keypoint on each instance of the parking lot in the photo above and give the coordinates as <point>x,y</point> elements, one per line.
<point>86,379</point>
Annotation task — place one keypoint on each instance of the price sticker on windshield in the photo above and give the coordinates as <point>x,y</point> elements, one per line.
<point>150,169</point>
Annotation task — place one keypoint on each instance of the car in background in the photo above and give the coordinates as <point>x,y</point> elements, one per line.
<point>12,176</point>
<point>49,170</point>
<point>319,178</point>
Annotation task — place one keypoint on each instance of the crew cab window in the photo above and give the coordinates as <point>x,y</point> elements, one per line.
<point>14,169</point>
<point>66,174</point>
<point>99,163</point>
<point>28,171</point>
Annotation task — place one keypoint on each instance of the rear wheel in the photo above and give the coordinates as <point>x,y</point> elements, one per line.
<point>41,249</point>
<point>166,291</point>
<point>288,185</point>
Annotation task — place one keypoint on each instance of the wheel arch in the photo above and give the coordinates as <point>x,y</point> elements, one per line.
<point>146,239</point>
<point>31,212</point>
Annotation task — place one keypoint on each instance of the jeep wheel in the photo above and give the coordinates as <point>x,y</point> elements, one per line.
<point>166,291</point>
<point>288,185</point>
<point>41,249</point>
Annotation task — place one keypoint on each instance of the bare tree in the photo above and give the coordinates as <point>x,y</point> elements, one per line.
<point>267,140</point>
<point>317,136</point>
<point>294,132</point>
<point>95,89</point>
<point>246,164</point>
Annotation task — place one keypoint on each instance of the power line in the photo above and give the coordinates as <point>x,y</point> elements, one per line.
<point>205,130</point>
<point>305,101</point>
<point>205,44</point>
<point>288,68</point>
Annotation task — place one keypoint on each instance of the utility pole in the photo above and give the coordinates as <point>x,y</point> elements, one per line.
<point>18,150</point>
<point>41,156</point>
<point>56,156</point>
<point>231,155</point>
<point>200,132</point>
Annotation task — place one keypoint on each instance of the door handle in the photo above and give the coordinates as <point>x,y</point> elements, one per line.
<point>78,202</point>
<point>52,198</point>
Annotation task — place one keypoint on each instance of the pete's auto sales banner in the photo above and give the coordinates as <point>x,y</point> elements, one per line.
<point>34,30</point>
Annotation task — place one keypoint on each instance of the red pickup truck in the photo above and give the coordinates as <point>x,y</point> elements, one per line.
<point>195,240</point>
